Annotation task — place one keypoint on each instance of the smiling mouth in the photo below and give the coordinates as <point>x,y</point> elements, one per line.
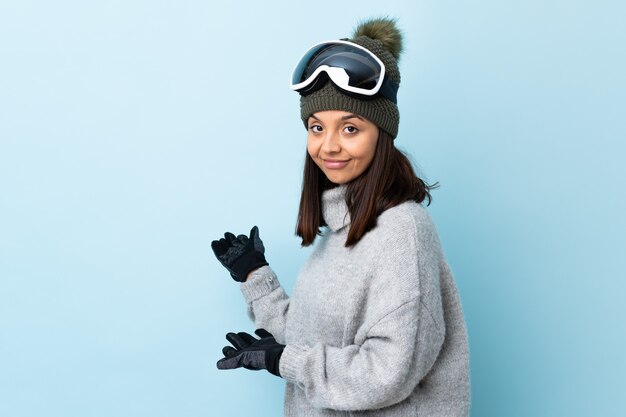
<point>334,163</point>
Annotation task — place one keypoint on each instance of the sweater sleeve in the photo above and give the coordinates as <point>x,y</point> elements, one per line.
<point>384,366</point>
<point>376,374</point>
<point>267,302</point>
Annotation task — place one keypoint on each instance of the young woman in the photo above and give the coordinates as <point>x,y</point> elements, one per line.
<point>374,325</point>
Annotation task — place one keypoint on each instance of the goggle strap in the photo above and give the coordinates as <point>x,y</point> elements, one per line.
<point>389,90</point>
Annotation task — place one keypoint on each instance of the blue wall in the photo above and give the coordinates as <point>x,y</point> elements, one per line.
<point>132,133</point>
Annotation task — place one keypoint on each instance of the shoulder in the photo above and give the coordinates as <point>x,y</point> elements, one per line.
<point>409,211</point>
<point>408,220</point>
<point>399,253</point>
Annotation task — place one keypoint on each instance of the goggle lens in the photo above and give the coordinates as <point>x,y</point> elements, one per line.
<point>348,65</point>
<point>361,68</point>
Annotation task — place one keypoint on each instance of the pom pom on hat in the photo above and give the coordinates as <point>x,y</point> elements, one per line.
<point>383,29</point>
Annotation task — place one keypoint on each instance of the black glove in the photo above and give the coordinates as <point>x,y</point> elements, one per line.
<point>252,353</point>
<point>240,254</point>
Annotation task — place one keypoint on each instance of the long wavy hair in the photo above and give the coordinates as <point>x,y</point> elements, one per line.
<point>388,181</point>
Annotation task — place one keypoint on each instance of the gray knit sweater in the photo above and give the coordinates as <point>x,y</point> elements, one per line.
<point>372,330</point>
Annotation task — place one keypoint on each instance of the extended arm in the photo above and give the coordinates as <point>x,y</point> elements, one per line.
<point>267,303</point>
<point>244,258</point>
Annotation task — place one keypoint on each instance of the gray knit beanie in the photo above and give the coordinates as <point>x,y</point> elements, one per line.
<point>382,37</point>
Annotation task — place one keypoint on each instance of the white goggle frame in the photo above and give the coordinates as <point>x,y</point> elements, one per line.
<point>339,75</point>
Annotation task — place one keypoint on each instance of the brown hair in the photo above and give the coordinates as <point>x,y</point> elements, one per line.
<point>388,181</point>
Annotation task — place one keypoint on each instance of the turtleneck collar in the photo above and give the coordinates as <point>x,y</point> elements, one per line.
<point>334,208</point>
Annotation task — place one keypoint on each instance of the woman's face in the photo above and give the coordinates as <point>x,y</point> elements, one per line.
<point>342,144</point>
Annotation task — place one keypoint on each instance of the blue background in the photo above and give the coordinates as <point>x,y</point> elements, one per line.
<point>132,133</point>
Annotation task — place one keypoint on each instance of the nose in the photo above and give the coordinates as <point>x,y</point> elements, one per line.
<point>331,142</point>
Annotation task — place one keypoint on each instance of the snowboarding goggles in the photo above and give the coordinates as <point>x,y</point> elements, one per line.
<point>351,67</point>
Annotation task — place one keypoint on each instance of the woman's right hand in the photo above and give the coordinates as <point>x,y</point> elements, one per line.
<point>241,254</point>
